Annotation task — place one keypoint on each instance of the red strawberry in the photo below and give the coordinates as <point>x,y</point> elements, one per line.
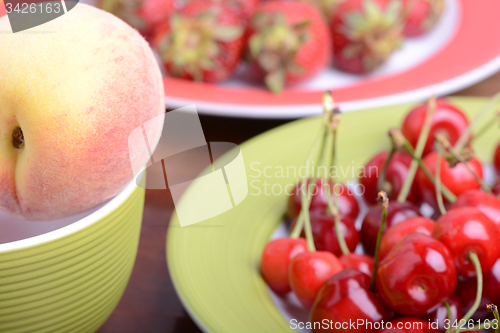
<point>365,33</point>
<point>243,8</point>
<point>143,15</point>
<point>326,7</point>
<point>288,42</point>
<point>421,16</point>
<point>202,42</point>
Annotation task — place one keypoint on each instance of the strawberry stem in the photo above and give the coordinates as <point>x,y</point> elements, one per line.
<point>421,142</point>
<point>384,203</point>
<point>479,292</point>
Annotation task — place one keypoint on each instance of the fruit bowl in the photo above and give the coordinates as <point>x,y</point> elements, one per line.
<point>215,264</point>
<point>69,279</point>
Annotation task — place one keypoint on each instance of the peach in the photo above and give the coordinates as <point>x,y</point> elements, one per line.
<point>71,92</point>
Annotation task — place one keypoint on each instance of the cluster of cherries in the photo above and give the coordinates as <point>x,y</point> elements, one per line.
<point>413,269</point>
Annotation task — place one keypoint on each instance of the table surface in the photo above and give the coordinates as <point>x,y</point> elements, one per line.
<point>150,303</point>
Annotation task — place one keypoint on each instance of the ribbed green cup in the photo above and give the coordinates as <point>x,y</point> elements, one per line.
<point>71,279</point>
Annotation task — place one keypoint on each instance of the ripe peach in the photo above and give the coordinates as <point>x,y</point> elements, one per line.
<point>71,92</point>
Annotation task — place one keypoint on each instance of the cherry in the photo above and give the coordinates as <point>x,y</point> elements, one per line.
<point>361,262</point>
<point>439,313</point>
<point>416,275</point>
<point>394,234</point>
<point>496,158</point>
<point>486,203</point>
<point>458,179</point>
<point>348,205</point>
<point>396,173</point>
<point>397,213</point>
<point>308,271</point>
<point>408,325</point>
<point>496,188</point>
<point>466,229</point>
<point>324,235</point>
<point>448,119</point>
<point>346,297</point>
<point>276,260</point>
<point>467,287</point>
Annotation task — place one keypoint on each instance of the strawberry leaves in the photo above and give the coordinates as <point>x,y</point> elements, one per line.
<point>275,45</point>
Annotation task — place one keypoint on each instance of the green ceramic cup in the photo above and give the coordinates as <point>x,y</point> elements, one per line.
<point>71,279</point>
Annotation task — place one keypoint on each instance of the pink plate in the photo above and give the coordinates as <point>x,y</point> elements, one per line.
<point>462,50</point>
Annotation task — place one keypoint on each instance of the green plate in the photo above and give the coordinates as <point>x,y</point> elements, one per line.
<point>215,264</point>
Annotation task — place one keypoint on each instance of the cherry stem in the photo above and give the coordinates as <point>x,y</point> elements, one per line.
<point>479,292</point>
<point>446,144</point>
<point>462,141</point>
<point>493,309</point>
<point>307,226</point>
<point>400,141</point>
<point>478,327</point>
<point>448,310</point>
<point>383,172</point>
<point>383,201</point>
<point>304,219</point>
<point>307,200</point>
<point>334,208</point>
<point>439,195</point>
<point>486,127</point>
<point>422,140</point>
<point>497,317</point>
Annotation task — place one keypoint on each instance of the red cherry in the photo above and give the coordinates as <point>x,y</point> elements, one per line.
<point>324,235</point>
<point>361,262</point>
<point>396,174</point>
<point>346,297</point>
<point>396,213</point>
<point>308,271</point>
<point>448,119</point>
<point>348,205</point>
<point>408,325</point>
<point>416,275</point>
<point>458,179</point>
<point>467,287</point>
<point>394,234</point>
<point>466,229</point>
<point>496,158</point>
<point>496,188</point>
<point>276,260</point>
<point>439,313</point>
<point>486,203</point>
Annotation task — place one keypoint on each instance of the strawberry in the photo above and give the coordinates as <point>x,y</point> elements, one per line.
<point>365,33</point>
<point>201,42</point>
<point>243,8</point>
<point>326,7</point>
<point>421,16</point>
<point>288,42</point>
<point>143,15</point>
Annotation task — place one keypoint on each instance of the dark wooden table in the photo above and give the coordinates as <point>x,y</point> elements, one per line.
<point>150,303</point>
